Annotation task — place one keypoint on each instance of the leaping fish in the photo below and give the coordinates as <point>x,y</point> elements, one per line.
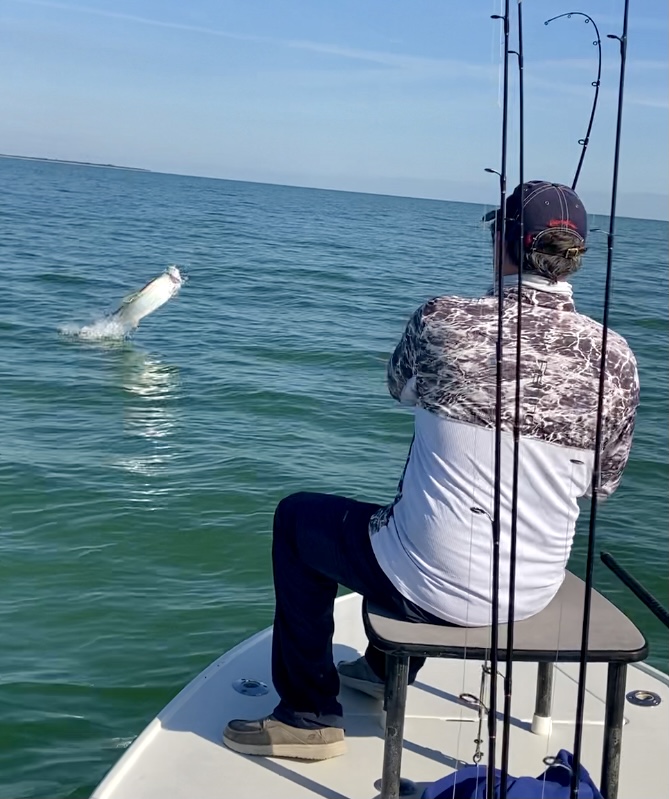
<point>149,298</point>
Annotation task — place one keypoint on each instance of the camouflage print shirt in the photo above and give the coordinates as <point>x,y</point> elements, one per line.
<point>432,545</point>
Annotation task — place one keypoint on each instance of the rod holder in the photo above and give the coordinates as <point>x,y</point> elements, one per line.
<point>542,721</point>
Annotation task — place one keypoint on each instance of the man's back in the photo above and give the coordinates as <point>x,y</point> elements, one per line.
<point>435,540</point>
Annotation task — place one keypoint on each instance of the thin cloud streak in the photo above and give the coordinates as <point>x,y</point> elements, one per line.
<point>394,60</point>
<point>95,12</point>
<point>606,95</point>
<point>585,63</point>
<point>635,23</point>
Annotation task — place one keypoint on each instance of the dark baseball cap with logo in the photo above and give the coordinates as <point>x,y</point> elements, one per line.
<point>546,206</point>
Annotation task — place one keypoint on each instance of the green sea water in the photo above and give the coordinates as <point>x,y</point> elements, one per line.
<point>138,478</point>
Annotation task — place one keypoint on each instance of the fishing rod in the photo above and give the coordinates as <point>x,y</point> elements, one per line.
<point>596,473</point>
<point>508,673</point>
<point>595,83</point>
<point>635,586</point>
<point>501,231</point>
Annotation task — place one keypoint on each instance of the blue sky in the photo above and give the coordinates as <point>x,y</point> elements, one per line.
<point>387,96</point>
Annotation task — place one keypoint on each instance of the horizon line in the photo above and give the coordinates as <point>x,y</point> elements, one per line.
<point>98,165</point>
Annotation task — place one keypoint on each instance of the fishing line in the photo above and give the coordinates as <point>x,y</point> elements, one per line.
<point>574,463</point>
<point>464,696</point>
<point>595,83</point>
<point>596,474</point>
<point>508,673</point>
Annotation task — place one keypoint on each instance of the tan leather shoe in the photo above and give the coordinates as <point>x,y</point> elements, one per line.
<point>269,737</point>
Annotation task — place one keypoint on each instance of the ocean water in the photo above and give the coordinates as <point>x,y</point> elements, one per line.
<point>138,478</point>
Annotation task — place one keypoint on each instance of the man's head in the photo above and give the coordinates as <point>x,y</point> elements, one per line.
<point>555,228</point>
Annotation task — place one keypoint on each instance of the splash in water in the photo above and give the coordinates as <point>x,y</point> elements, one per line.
<point>105,328</point>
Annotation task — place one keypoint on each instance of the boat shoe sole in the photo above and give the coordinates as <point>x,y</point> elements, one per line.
<point>272,738</point>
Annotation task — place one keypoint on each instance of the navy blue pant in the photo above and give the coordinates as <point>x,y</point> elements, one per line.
<point>320,542</point>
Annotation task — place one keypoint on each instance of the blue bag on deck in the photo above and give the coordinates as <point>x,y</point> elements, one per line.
<point>554,783</point>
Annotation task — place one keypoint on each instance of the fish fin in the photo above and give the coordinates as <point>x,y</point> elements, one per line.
<point>127,300</point>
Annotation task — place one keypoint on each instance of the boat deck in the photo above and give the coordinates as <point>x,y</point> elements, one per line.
<point>180,754</point>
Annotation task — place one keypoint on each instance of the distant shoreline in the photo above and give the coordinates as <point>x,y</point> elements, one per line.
<point>73,163</point>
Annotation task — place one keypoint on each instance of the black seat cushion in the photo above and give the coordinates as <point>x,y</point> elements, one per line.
<point>554,634</point>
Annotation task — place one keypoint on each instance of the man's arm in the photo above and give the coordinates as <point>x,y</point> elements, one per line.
<point>617,449</point>
<point>402,364</point>
<point>615,457</point>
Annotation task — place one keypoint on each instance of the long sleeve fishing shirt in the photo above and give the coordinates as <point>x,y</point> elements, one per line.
<point>434,541</point>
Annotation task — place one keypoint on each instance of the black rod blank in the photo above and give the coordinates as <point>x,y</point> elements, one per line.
<point>508,674</point>
<point>494,635</point>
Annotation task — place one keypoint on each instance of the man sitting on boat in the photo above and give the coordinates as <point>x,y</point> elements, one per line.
<point>428,555</point>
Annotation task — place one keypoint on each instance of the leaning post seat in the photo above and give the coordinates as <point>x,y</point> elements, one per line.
<point>613,639</point>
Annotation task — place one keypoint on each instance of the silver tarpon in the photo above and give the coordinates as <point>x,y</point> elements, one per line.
<point>155,293</point>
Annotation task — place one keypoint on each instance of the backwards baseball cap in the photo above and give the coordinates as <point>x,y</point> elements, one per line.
<point>546,206</point>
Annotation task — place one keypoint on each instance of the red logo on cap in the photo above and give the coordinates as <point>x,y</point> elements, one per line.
<point>562,223</point>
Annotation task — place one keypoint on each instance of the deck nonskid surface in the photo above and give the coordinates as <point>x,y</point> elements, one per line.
<point>181,754</point>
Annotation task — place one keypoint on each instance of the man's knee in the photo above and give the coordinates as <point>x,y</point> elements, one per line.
<point>290,504</point>
<point>286,512</point>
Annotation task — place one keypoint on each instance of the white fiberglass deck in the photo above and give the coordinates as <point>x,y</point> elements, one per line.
<point>180,754</point>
